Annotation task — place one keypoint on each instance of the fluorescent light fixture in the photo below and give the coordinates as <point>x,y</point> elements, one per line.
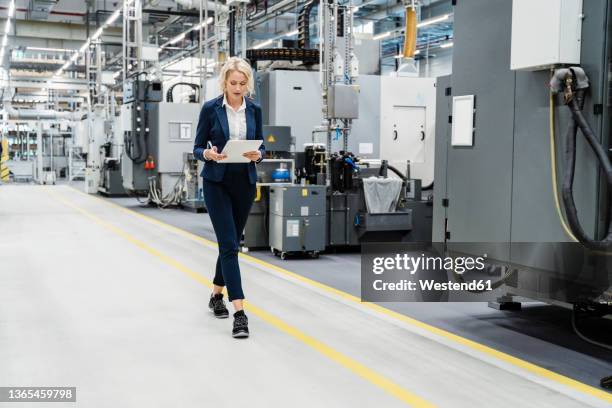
<point>356,9</point>
<point>177,38</point>
<point>447,45</point>
<point>208,21</point>
<point>116,75</point>
<point>113,17</point>
<point>381,36</point>
<point>263,44</point>
<point>402,55</point>
<point>49,49</point>
<point>11,10</point>
<point>98,33</point>
<point>433,20</point>
<point>7,27</point>
<point>4,41</point>
<point>291,33</point>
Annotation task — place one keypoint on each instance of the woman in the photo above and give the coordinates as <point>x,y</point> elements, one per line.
<point>229,188</point>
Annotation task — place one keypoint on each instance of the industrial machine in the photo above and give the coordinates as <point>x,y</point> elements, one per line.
<point>353,183</point>
<point>139,97</point>
<point>193,194</point>
<point>278,168</point>
<point>159,134</point>
<point>372,123</point>
<point>110,183</point>
<point>501,150</point>
<point>297,220</point>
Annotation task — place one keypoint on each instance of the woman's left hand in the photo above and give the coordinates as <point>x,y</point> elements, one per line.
<point>253,155</point>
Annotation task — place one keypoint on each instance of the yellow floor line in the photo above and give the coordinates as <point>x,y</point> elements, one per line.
<point>507,358</point>
<point>329,352</point>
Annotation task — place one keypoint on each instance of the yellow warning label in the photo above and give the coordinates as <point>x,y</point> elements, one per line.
<point>271,138</point>
<point>304,192</point>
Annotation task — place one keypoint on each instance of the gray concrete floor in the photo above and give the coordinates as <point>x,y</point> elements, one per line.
<point>94,296</point>
<point>540,333</point>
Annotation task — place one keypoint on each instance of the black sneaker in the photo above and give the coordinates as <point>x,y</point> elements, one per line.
<point>217,306</point>
<point>241,325</point>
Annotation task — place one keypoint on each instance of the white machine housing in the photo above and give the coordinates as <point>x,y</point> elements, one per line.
<point>545,33</point>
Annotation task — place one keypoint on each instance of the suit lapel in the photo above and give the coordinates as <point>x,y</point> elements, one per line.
<point>250,121</point>
<point>222,116</point>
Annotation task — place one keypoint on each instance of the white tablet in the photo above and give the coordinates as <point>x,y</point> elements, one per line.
<point>234,149</point>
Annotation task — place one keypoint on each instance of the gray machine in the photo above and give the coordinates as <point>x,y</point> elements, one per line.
<point>297,220</point>
<point>193,194</point>
<point>499,188</point>
<point>159,135</point>
<point>278,141</point>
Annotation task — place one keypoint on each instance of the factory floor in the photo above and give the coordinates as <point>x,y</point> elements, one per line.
<point>111,298</point>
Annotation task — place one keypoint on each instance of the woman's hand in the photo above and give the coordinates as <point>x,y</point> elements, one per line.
<point>253,155</point>
<point>211,154</point>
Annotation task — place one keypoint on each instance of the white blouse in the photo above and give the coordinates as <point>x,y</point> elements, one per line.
<point>236,120</point>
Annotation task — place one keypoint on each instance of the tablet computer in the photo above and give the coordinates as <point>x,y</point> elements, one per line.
<point>234,149</point>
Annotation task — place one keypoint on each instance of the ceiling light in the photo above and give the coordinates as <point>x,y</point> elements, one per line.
<point>116,75</point>
<point>291,33</point>
<point>49,49</point>
<point>113,17</point>
<point>381,36</point>
<point>7,27</point>
<point>84,46</point>
<point>447,45</point>
<point>208,21</point>
<point>263,44</point>
<point>177,38</point>
<point>433,20</point>
<point>11,10</point>
<point>97,34</point>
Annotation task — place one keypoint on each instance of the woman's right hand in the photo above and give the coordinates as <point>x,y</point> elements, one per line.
<point>211,154</point>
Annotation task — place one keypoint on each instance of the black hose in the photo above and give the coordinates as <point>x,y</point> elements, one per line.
<point>232,33</point>
<point>430,186</point>
<point>399,173</point>
<point>192,98</point>
<point>578,121</point>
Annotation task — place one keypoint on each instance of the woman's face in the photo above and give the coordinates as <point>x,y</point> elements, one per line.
<point>236,85</point>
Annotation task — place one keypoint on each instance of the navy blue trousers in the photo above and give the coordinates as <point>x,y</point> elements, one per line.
<point>229,203</point>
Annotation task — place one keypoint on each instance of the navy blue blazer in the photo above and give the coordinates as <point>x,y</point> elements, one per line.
<point>213,126</point>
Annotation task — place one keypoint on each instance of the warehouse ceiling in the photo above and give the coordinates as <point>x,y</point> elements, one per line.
<point>46,33</point>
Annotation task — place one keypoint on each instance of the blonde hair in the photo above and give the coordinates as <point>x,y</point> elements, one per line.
<point>240,65</point>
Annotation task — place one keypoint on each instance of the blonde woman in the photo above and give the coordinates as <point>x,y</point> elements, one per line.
<point>229,188</point>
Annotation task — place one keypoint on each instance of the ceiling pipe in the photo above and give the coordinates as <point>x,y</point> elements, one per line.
<point>42,114</point>
<point>191,4</point>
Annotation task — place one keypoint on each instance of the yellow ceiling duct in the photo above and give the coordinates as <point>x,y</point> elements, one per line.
<point>410,37</point>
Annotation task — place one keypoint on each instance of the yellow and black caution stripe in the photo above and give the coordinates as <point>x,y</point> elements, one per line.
<point>4,170</point>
